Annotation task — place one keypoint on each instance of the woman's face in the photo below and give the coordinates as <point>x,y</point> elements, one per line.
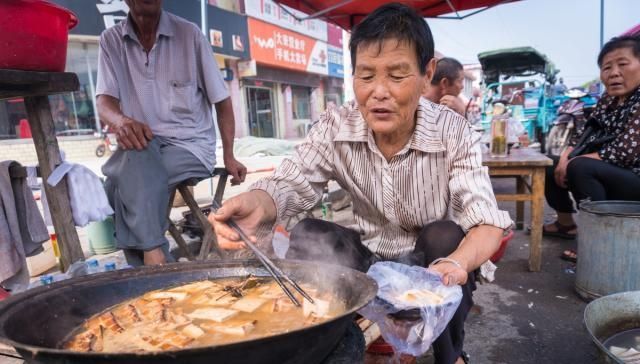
<point>388,83</point>
<point>620,72</point>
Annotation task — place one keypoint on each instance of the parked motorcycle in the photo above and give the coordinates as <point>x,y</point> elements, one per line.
<point>108,142</point>
<point>572,114</point>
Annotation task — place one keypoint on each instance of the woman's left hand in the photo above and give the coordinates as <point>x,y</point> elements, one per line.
<point>451,273</point>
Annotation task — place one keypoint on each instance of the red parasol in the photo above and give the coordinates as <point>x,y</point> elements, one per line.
<point>347,13</point>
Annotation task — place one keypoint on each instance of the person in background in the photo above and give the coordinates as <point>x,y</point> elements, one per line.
<point>560,88</point>
<point>412,167</point>
<point>446,85</point>
<point>608,171</point>
<point>157,81</point>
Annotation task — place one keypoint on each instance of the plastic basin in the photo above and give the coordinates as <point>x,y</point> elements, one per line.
<point>34,35</point>
<point>503,247</point>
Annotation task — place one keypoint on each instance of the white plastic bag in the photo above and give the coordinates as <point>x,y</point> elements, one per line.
<point>410,327</point>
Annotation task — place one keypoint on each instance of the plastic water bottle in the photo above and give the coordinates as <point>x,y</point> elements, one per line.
<point>92,266</point>
<point>108,267</point>
<point>327,212</point>
<point>46,279</point>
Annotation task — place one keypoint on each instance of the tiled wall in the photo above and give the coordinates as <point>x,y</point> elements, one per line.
<point>23,151</point>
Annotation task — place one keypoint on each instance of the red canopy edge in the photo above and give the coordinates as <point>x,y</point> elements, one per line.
<point>347,13</point>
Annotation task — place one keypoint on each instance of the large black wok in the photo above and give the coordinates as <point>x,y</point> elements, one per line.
<point>36,322</point>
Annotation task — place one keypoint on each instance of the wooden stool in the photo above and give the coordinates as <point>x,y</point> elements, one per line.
<point>209,240</point>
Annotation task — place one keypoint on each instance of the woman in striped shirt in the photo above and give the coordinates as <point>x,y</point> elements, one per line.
<point>413,169</point>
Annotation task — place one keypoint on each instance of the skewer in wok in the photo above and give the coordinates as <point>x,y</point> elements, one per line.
<point>275,272</point>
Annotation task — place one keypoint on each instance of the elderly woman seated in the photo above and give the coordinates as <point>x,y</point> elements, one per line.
<point>408,164</point>
<point>607,168</point>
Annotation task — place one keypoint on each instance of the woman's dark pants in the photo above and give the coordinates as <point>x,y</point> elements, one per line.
<point>592,179</point>
<point>320,240</point>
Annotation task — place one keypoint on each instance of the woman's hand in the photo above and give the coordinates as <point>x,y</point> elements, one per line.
<point>249,210</point>
<point>451,274</point>
<point>560,173</point>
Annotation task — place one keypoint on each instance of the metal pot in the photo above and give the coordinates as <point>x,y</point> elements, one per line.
<point>38,321</point>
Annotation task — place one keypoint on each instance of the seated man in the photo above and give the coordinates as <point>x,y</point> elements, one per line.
<point>157,80</point>
<point>607,171</point>
<point>446,85</point>
<point>408,164</point>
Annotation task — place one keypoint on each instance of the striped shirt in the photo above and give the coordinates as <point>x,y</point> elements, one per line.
<point>171,89</point>
<point>437,175</point>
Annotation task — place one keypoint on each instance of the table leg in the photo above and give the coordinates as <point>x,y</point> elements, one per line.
<point>537,212</point>
<point>520,189</point>
<point>44,138</point>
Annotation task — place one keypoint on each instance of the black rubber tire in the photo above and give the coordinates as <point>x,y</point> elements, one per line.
<point>100,150</point>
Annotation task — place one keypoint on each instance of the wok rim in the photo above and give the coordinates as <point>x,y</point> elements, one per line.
<point>9,303</point>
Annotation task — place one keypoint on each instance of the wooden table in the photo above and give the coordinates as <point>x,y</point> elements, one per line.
<point>524,165</point>
<point>35,88</point>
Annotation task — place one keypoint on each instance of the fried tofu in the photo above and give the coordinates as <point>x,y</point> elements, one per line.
<point>319,308</point>
<point>168,340</point>
<point>239,329</point>
<point>218,299</point>
<point>212,314</point>
<point>193,331</point>
<point>127,315</point>
<point>160,295</point>
<point>195,287</point>
<point>248,305</point>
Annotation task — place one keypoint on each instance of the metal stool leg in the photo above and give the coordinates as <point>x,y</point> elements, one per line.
<point>209,240</point>
<point>176,234</point>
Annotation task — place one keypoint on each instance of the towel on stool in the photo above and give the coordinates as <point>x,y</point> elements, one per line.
<point>86,193</point>
<point>22,230</point>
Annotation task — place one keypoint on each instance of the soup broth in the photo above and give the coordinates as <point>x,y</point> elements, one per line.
<point>203,313</point>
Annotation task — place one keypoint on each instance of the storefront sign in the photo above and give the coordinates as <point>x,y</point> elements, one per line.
<point>270,12</point>
<point>279,47</point>
<point>336,62</point>
<point>247,68</point>
<point>334,35</point>
<point>228,31</point>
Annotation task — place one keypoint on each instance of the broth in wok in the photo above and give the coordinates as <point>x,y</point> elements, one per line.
<point>203,313</point>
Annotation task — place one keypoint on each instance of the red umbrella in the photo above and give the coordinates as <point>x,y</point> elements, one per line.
<point>347,13</point>
<point>633,31</point>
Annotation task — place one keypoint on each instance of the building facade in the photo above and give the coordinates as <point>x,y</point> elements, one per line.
<point>281,72</point>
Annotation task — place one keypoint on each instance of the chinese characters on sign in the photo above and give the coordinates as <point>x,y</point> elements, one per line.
<point>280,47</point>
<point>290,49</point>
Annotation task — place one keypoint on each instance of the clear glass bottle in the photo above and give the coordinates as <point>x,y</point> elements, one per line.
<point>499,135</point>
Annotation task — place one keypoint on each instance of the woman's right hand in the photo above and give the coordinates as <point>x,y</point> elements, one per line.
<point>560,173</point>
<point>249,210</point>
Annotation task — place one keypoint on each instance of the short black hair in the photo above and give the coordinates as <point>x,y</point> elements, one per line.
<point>625,41</point>
<point>448,68</point>
<point>394,21</point>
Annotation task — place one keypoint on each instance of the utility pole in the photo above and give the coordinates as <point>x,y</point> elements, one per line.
<point>203,16</point>
<point>601,23</point>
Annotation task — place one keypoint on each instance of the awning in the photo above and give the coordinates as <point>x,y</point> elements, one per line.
<point>347,13</point>
<point>633,31</point>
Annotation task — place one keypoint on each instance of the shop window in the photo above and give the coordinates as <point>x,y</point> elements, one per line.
<point>73,112</point>
<point>301,97</point>
<point>269,8</point>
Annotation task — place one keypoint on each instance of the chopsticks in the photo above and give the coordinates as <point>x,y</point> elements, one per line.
<point>273,270</point>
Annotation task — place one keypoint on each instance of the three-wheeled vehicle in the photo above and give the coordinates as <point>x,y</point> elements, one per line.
<point>521,78</point>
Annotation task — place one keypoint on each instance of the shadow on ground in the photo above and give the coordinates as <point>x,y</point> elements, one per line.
<point>526,317</point>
